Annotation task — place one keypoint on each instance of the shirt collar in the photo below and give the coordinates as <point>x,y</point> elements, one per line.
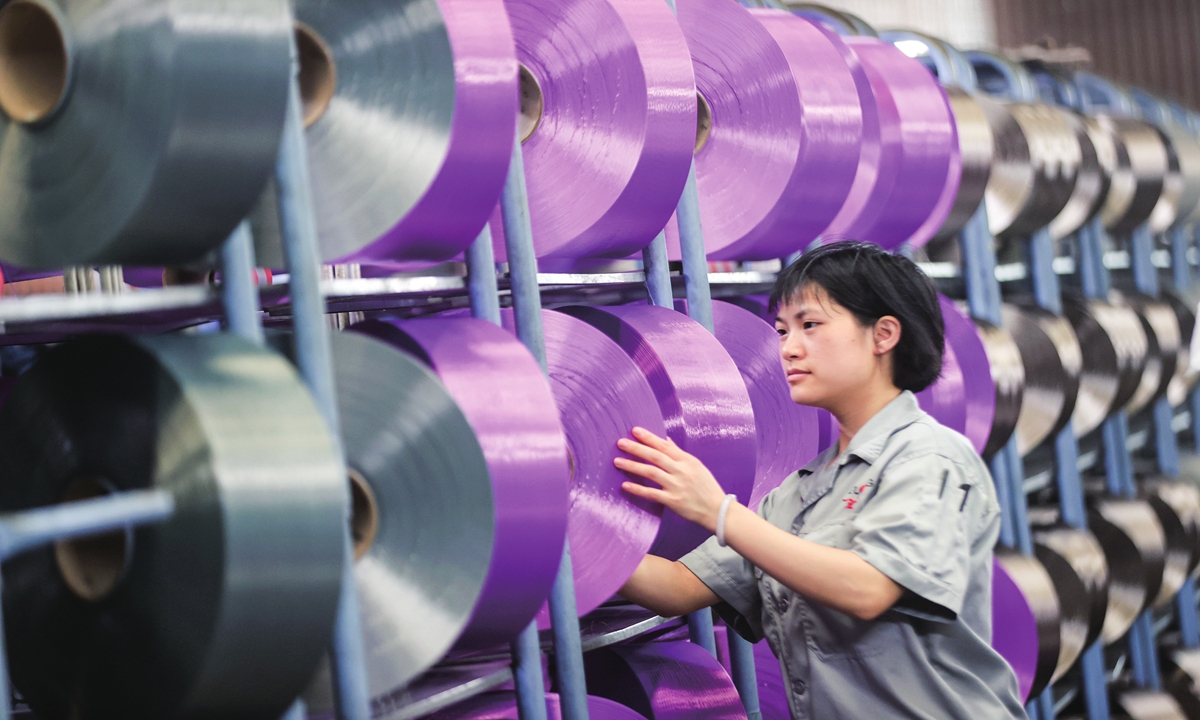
<point>868,442</point>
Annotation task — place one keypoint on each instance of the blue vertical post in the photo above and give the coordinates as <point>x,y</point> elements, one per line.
<point>1181,270</point>
<point>239,293</point>
<point>699,297</point>
<point>239,296</point>
<point>482,289</point>
<point>658,272</point>
<point>1048,292</point>
<point>1115,431</point>
<point>315,361</point>
<point>699,301</point>
<point>526,649</point>
<point>1166,445</point>
<point>983,299</point>
<point>527,312</point>
<point>1185,600</point>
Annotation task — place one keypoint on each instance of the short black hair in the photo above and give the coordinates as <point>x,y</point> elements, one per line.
<point>871,282</point>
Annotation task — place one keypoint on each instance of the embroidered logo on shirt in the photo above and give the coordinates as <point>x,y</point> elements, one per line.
<point>852,497</point>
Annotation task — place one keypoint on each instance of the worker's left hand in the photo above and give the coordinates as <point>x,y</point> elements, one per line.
<point>687,487</point>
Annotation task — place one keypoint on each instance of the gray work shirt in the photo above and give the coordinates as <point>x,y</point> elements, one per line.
<point>914,500</point>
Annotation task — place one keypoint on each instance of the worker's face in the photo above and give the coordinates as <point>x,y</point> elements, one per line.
<point>827,355</point>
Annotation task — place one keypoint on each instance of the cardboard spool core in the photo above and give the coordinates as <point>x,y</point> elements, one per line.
<point>92,566</point>
<point>703,122</point>
<point>364,514</point>
<point>532,103</point>
<point>318,73</point>
<point>33,61</point>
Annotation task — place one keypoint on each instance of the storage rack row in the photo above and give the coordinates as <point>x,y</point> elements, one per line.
<point>1086,260</point>
<point>305,298</point>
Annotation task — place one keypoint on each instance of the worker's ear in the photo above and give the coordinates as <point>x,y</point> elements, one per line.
<point>886,334</point>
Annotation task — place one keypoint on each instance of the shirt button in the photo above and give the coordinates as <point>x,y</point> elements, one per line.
<point>798,686</point>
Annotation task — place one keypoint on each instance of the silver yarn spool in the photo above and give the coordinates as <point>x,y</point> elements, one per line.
<point>1053,361</point>
<point>1091,184</point>
<point>378,107</point>
<point>1037,159</point>
<point>1008,375</point>
<point>424,517</point>
<point>1114,356</point>
<point>1184,378</point>
<point>1138,183</point>
<point>1184,163</point>
<point>224,609</point>
<point>1163,340</point>
<point>1076,564</point>
<point>1177,525</point>
<point>1134,546</point>
<point>976,144</point>
<point>136,133</point>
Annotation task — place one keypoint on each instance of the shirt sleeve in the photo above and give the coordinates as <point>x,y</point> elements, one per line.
<point>733,579</point>
<point>917,530</point>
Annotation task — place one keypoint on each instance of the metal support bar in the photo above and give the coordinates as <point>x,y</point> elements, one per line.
<point>298,711</point>
<point>658,272</point>
<point>1070,485</point>
<point>1048,292</point>
<point>527,674</point>
<point>999,468</point>
<point>1166,445</point>
<point>527,312</point>
<point>1141,635</point>
<point>481,279</point>
<point>1015,468</point>
<point>699,303</point>
<point>1141,247</point>
<point>1045,704</point>
<point>526,648</point>
<point>1046,289</point>
<point>1185,610</point>
<point>1093,275</point>
<point>1181,270</point>
<point>26,530</point>
<point>1194,404</point>
<point>314,359</point>
<point>741,666</point>
<point>1095,693</point>
<point>239,292</point>
<point>691,250</point>
<point>700,630</point>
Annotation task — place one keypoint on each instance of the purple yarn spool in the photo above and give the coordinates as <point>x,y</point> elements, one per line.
<point>501,390</point>
<point>12,273</point>
<point>944,399</point>
<point>143,277</point>
<point>601,396</point>
<point>900,192</point>
<point>607,162</point>
<point>785,126</point>
<point>664,681</point>
<point>458,203</point>
<point>788,434</point>
<point>980,390</point>
<point>701,395</point>
<point>1014,628</point>
<point>503,706</point>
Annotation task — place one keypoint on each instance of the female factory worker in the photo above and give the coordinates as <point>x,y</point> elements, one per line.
<point>869,570</point>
